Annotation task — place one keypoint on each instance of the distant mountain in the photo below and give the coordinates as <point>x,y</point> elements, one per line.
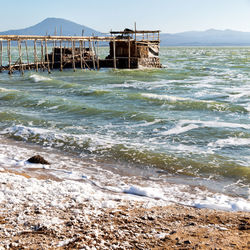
<point>49,25</point>
<point>190,38</point>
<point>206,38</point>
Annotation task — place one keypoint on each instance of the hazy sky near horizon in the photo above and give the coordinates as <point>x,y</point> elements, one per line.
<point>170,16</point>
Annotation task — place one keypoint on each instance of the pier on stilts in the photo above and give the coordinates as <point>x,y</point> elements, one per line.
<point>128,49</point>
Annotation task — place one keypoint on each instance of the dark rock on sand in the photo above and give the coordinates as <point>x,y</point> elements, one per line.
<point>38,159</point>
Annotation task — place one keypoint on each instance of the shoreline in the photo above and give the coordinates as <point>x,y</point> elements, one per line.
<point>33,222</point>
<point>42,210</point>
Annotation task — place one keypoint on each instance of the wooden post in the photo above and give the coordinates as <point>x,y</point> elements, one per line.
<point>73,54</point>
<point>47,56</point>
<point>135,42</point>
<point>135,31</point>
<point>1,54</point>
<point>94,54</point>
<point>80,45</point>
<point>129,53</point>
<point>20,57</point>
<point>114,52</point>
<point>9,55</point>
<point>53,54</point>
<point>55,40</point>
<point>61,57</point>
<point>97,56</point>
<point>27,54</point>
<point>85,65</point>
<point>35,56</point>
<point>42,59</point>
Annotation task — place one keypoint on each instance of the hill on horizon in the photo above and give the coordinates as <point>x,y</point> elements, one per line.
<point>48,26</point>
<point>211,37</point>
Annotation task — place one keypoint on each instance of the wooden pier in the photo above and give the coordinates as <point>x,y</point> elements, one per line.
<point>127,49</point>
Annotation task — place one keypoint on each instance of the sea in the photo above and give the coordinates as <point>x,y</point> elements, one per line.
<point>182,131</point>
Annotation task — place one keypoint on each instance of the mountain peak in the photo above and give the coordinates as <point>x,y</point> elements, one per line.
<point>50,24</point>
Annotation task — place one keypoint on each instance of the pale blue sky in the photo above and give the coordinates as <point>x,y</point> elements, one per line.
<point>167,15</point>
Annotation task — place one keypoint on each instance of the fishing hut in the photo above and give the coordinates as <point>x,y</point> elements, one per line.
<point>135,49</point>
<point>128,49</point>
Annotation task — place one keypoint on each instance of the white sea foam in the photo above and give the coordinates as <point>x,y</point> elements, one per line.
<point>179,128</point>
<point>242,94</point>
<point>142,191</point>
<point>39,78</point>
<point>223,202</point>
<point>134,84</point>
<point>8,90</point>
<point>212,124</point>
<point>165,97</point>
<point>23,131</point>
<point>232,141</point>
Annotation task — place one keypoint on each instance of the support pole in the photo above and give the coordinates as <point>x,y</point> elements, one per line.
<point>42,59</point>
<point>114,53</point>
<point>97,56</point>
<point>9,55</point>
<point>20,57</point>
<point>1,53</point>
<point>53,54</point>
<point>135,42</point>
<point>35,56</point>
<point>94,54</point>
<point>61,57</point>
<point>73,54</point>
<point>47,56</point>
<point>80,45</point>
<point>27,54</point>
<point>129,53</point>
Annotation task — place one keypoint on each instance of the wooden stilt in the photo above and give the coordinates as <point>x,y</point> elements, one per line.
<point>53,54</point>
<point>20,57</point>
<point>73,55</point>
<point>27,54</point>
<point>35,56</point>
<point>80,45</point>
<point>97,56</point>
<point>61,57</point>
<point>91,53</point>
<point>47,56</point>
<point>135,42</point>
<point>129,52</point>
<point>114,53</point>
<point>1,53</point>
<point>55,40</point>
<point>42,58</point>
<point>94,55</point>
<point>9,55</point>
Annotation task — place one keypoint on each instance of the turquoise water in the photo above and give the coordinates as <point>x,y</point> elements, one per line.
<point>188,122</point>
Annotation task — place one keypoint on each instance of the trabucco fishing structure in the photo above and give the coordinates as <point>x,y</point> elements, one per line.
<point>128,49</point>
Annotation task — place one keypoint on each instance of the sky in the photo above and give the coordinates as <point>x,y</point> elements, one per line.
<point>169,16</point>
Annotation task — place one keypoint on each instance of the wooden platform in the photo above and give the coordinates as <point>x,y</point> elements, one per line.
<point>127,49</point>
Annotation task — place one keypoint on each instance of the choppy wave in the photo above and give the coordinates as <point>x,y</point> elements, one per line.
<point>187,125</point>
<point>181,103</point>
<point>230,142</point>
<point>110,148</point>
<point>38,78</point>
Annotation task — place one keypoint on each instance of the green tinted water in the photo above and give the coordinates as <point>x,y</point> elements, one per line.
<point>190,119</point>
